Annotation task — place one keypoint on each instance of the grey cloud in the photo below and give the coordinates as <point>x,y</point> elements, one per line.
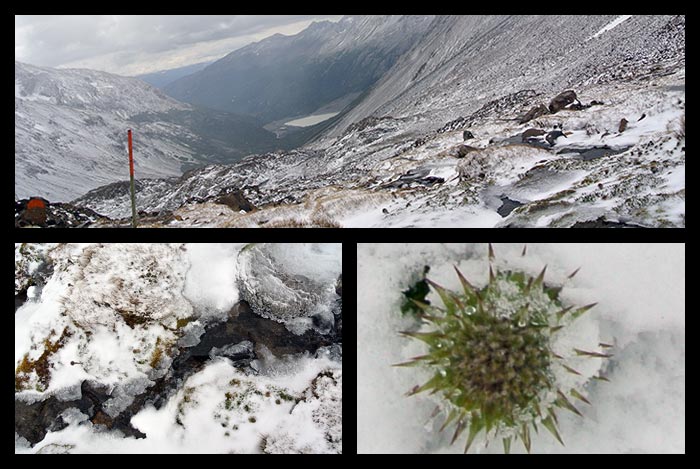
<point>111,41</point>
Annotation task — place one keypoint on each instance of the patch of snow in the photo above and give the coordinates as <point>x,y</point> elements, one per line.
<point>211,279</point>
<point>614,23</point>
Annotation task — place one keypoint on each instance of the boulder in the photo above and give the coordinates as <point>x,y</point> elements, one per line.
<point>529,133</point>
<point>623,125</point>
<point>562,100</point>
<point>35,213</point>
<point>236,201</point>
<point>467,135</point>
<point>245,325</point>
<point>553,136</point>
<point>463,150</point>
<point>39,212</point>
<point>534,113</point>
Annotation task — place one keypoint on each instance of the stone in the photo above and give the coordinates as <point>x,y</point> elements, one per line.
<point>562,100</point>
<point>623,125</point>
<point>467,135</point>
<point>553,136</point>
<point>282,287</point>
<point>532,133</point>
<point>463,150</point>
<point>244,325</point>
<point>236,201</point>
<point>534,113</point>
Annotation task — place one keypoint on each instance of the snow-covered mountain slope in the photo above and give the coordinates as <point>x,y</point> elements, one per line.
<point>470,82</point>
<point>292,76</point>
<point>70,132</point>
<point>466,61</point>
<point>373,177</point>
<point>153,348</point>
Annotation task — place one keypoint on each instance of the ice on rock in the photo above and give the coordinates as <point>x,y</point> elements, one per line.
<point>284,282</point>
<point>69,393</point>
<point>123,395</point>
<point>232,350</point>
<point>73,415</point>
<point>54,448</point>
<point>191,335</point>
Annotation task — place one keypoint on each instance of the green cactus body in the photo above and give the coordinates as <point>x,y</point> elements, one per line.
<point>491,357</point>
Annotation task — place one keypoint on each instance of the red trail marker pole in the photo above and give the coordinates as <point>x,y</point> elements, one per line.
<point>131,174</point>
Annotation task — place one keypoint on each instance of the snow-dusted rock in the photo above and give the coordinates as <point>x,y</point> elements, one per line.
<point>289,284</point>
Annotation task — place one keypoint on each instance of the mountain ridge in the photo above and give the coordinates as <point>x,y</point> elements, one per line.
<point>70,132</point>
<point>284,76</point>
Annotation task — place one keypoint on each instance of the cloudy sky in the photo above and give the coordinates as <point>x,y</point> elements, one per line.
<point>132,45</point>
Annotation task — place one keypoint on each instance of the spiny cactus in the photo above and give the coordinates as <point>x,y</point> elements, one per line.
<point>490,352</point>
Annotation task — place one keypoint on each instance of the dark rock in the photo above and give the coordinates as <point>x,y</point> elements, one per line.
<point>420,142</point>
<point>534,113</point>
<point>416,176</point>
<point>592,153</point>
<point>529,133</point>
<point>553,136</point>
<point>623,125</point>
<point>467,135</point>
<point>42,213</point>
<point>508,206</point>
<point>643,116</point>
<point>385,211</point>
<point>236,201</point>
<point>603,223</point>
<point>20,299</point>
<point>463,150</point>
<point>562,100</point>
<point>244,324</point>
<point>432,180</point>
<point>33,421</point>
<point>595,103</point>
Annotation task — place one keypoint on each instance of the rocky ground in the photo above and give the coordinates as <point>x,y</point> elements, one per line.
<point>614,157</point>
<point>152,348</point>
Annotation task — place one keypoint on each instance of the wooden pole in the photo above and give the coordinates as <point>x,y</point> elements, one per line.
<point>133,192</point>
